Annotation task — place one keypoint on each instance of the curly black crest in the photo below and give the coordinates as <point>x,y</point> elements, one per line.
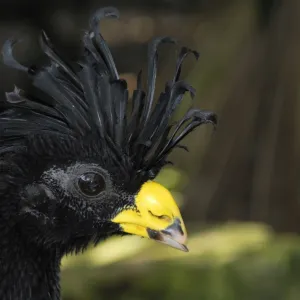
<point>89,96</point>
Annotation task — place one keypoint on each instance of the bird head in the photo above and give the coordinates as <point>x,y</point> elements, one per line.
<point>81,157</point>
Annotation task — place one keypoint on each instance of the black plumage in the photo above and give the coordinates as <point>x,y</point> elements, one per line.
<point>74,153</point>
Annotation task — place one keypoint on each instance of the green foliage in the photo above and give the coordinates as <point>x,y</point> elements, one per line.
<point>236,261</point>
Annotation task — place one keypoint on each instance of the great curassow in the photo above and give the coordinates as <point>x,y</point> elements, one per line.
<point>77,166</point>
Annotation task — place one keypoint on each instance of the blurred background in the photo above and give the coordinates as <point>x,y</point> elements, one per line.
<point>238,186</point>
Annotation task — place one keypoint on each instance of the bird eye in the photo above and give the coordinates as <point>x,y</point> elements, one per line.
<point>91,184</point>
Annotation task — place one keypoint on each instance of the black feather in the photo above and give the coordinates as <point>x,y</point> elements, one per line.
<point>89,96</point>
<point>8,58</point>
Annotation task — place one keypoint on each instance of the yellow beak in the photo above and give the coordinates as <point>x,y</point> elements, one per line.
<point>156,216</point>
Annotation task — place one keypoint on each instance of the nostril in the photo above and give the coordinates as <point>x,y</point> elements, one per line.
<point>161,217</point>
<point>165,218</point>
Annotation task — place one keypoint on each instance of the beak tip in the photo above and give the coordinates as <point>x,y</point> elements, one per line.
<point>171,238</point>
<point>185,249</point>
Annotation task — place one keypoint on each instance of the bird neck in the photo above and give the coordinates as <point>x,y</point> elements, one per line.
<point>26,271</point>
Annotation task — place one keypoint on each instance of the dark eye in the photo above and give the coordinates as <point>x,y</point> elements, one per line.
<point>91,184</point>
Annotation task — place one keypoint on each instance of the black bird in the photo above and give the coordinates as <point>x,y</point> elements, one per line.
<point>77,165</point>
